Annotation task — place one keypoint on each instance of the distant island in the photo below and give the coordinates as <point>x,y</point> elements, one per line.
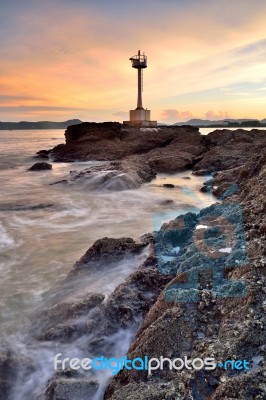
<point>199,123</point>
<point>225,123</point>
<point>10,126</point>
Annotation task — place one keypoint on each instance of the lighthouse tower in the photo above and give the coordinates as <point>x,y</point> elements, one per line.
<point>140,116</point>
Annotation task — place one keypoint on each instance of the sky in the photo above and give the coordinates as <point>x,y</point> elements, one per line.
<point>64,59</point>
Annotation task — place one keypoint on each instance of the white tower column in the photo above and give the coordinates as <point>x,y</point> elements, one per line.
<point>140,116</point>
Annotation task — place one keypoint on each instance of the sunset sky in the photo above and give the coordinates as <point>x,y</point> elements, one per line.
<point>64,59</point>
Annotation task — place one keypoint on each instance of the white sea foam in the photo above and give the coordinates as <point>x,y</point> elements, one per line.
<point>202,227</point>
<point>225,250</point>
<point>6,240</point>
<point>150,129</point>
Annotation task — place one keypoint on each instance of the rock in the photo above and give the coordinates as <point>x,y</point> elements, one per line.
<point>40,166</point>
<point>24,206</point>
<point>71,389</point>
<point>169,149</point>
<point>107,250</point>
<point>230,149</point>
<point>230,323</point>
<point>167,202</point>
<point>11,366</point>
<point>62,319</point>
<point>44,154</point>
<point>153,302</point>
<point>117,176</point>
<point>228,182</point>
<point>180,146</point>
<point>168,185</point>
<point>106,322</point>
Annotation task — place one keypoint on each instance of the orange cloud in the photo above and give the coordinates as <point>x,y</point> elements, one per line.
<point>175,115</point>
<point>220,115</point>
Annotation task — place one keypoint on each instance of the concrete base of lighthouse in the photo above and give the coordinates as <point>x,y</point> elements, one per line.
<point>140,117</point>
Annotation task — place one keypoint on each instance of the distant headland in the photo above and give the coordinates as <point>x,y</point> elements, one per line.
<point>37,125</point>
<point>225,123</point>
<point>199,123</point>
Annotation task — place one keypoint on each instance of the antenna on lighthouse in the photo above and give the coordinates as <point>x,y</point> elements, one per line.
<point>140,116</point>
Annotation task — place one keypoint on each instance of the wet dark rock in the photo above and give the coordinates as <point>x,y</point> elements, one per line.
<point>103,323</point>
<point>41,166</point>
<point>167,202</point>
<point>62,181</point>
<point>125,175</point>
<point>71,389</point>
<point>178,231</point>
<point>11,366</point>
<point>107,250</point>
<point>168,185</point>
<point>62,319</point>
<point>43,154</point>
<point>228,182</point>
<point>25,206</point>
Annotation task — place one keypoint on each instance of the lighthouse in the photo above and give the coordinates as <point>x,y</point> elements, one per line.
<point>140,116</point>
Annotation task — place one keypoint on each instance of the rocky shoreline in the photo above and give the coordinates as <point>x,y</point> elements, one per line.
<point>159,310</point>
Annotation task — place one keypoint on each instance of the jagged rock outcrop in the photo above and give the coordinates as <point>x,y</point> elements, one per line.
<point>96,319</point>
<point>230,149</point>
<point>163,149</point>
<point>227,321</point>
<point>116,176</point>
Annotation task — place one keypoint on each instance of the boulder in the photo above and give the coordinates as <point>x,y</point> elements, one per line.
<point>41,166</point>
<point>107,250</point>
<point>116,176</point>
<point>168,185</point>
<point>62,388</point>
<point>43,154</point>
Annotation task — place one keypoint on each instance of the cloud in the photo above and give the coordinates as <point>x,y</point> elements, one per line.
<point>124,115</point>
<point>175,115</point>
<point>74,54</point>
<point>217,116</point>
<point>40,108</point>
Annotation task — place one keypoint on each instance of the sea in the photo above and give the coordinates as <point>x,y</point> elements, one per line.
<point>45,228</point>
